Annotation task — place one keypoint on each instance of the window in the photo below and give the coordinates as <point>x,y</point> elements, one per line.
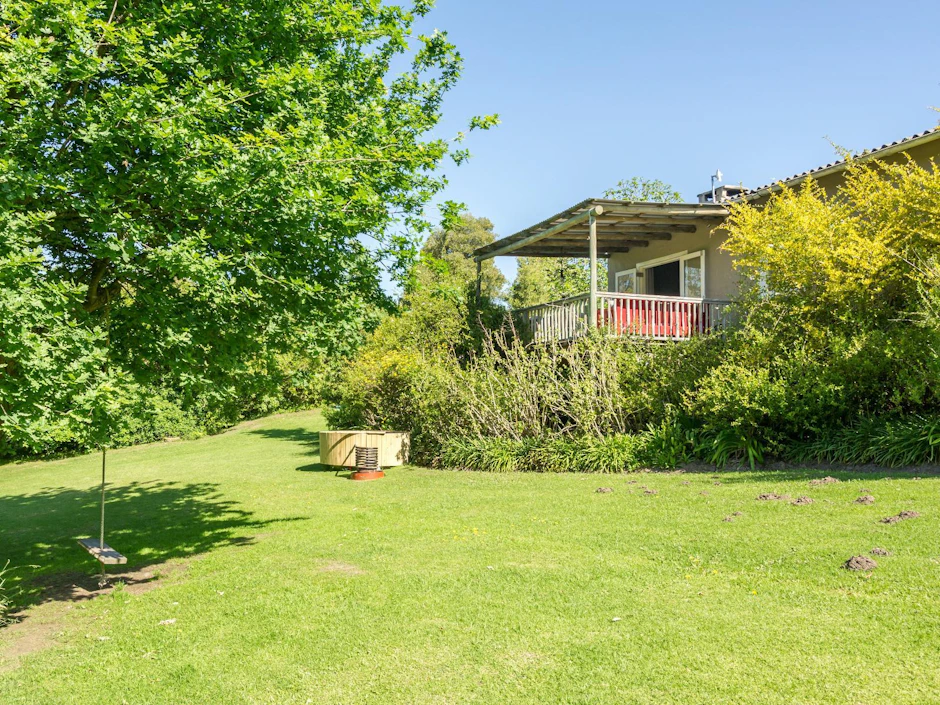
<point>693,275</point>
<point>626,282</point>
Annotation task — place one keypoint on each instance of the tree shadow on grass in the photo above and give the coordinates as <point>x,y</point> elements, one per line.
<point>320,467</point>
<point>309,439</point>
<point>148,522</point>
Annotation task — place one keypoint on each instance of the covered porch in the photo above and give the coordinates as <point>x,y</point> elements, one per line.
<point>661,298</point>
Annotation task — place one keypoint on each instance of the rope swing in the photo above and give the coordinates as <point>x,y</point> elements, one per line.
<point>102,552</point>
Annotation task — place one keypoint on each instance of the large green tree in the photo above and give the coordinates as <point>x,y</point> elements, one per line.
<point>446,257</point>
<point>199,176</point>
<point>543,279</point>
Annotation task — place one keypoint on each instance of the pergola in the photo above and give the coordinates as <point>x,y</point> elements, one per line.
<point>600,227</point>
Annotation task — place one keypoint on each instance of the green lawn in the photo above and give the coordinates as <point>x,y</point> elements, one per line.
<point>289,584</point>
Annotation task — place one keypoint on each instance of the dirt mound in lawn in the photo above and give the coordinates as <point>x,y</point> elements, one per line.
<point>860,563</point>
<point>824,481</point>
<point>865,499</point>
<point>802,501</point>
<point>770,496</point>
<point>880,552</point>
<point>907,514</point>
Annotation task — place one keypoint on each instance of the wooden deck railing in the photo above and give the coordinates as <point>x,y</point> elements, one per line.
<point>637,315</point>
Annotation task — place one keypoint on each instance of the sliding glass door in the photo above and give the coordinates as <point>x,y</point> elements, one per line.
<point>681,274</point>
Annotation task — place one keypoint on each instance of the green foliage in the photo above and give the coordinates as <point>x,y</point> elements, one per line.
<point>669,443</point>
<point>446,260</point>
<point>610,454</point>
<point>892,442</point>
<point>827,335</point>
<point>724,445</point>
<point>157,418</point>
<point>596,388</point>
<point>485,454</point>
<point>644,191</point>
<point>55,390</point>
<point>4,600</point>
<point>191,183</point>
<point>393,390</point>
<point>540,280</point>
<point>841,261</point>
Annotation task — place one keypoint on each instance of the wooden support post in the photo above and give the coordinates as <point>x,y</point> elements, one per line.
<point>479,281</point>
<point>593,246</point>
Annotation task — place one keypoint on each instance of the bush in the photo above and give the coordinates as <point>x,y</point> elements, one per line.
<point>157,418</point>
<point>4,600</point>
<point>596,387</point>
<point>612,454</point>
<point>891,442</point>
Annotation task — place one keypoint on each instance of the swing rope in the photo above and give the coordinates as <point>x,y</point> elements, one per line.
<point>103,580</point>
<point>103,553</point>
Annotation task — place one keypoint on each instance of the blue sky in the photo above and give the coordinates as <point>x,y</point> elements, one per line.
<point>593,92</point>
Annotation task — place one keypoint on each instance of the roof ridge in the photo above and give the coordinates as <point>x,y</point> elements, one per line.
<point>868,153</point>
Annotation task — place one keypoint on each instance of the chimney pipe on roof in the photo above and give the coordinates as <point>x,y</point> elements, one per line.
<point>720,193</point>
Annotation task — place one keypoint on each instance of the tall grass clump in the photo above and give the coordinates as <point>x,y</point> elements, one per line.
<point>4,600</point>
<point>889,442</point>
<point>609,454</point>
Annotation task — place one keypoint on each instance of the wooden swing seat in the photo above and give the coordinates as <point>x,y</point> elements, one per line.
<point>102,553</point>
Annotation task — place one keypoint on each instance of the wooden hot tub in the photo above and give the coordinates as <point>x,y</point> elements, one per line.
<point>338,448</point>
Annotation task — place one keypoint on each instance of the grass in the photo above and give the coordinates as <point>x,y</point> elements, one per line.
<point>291,585</point>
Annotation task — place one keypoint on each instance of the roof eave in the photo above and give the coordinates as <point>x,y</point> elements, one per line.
<point>836,167</point>
<point>571,217</point>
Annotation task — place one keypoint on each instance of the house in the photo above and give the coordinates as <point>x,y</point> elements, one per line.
<point>668,277</point>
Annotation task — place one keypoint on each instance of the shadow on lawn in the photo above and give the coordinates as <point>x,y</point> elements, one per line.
<point>309,439</point>
<point>320,467</point>
<point>149,522</point>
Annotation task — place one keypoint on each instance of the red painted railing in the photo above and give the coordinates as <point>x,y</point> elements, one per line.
<point>653,317</point>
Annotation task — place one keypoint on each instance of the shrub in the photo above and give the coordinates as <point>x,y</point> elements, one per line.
<point>4,600</point>
<point>485,454</point>
<point>670,443</point>
<point>596,387</point>
<point>610,454</point>
<point>891,442</point>
<point>156,418</point>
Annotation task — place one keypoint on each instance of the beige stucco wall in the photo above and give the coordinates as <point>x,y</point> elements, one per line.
<point>720,277</point>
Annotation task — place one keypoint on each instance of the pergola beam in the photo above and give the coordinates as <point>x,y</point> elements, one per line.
<point>665,230</point>
<point>579,253</point>
<point>589,214</point>
<point>616,225</point>
<point>602,243</point>
<point>622,234</point>
<point>628,224</point>
<point>683,217</point>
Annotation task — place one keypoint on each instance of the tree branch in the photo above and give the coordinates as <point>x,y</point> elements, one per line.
<point>96,298</point>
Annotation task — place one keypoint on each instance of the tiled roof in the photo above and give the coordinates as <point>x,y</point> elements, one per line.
<point>883,150</point>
